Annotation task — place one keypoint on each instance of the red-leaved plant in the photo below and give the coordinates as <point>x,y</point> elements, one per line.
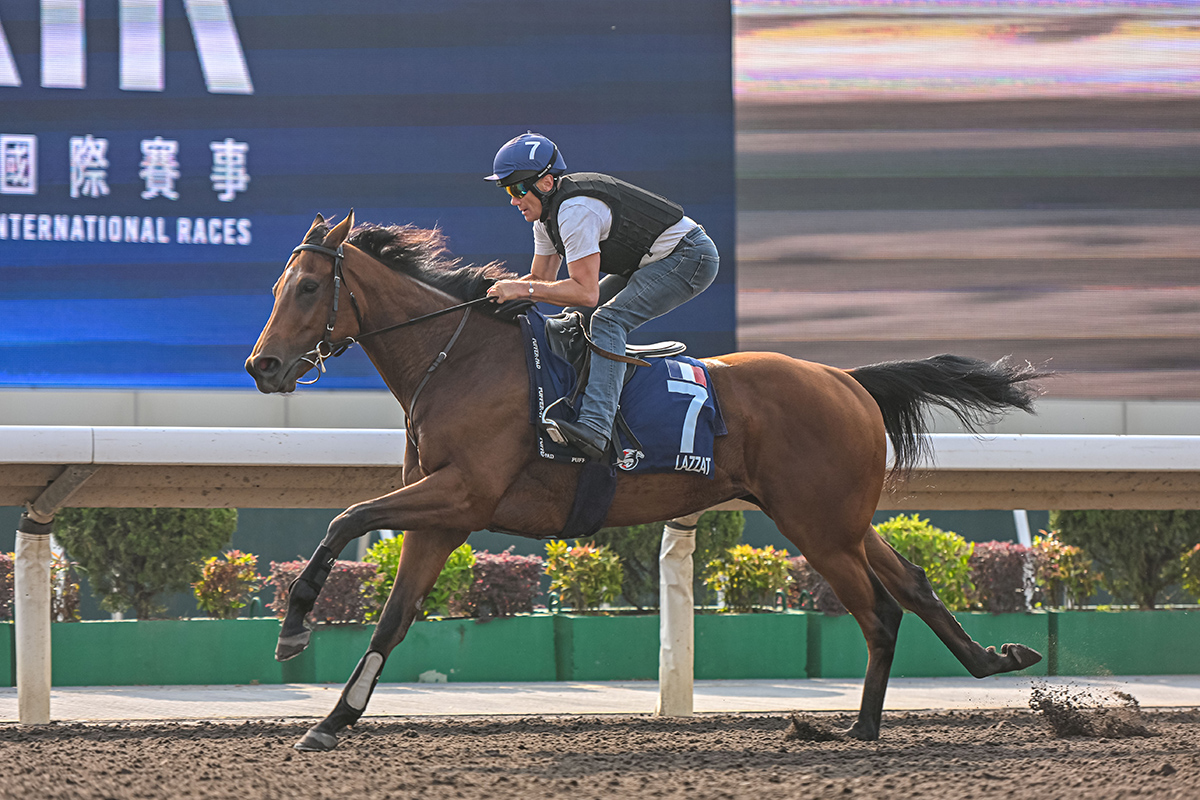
<point>344,598</point>
<point>504,584</point>
<point>998,571</point>
<point>809,591</point>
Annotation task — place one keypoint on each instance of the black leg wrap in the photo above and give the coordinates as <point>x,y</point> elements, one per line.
<point>303,592</point>
<point>319,567</point>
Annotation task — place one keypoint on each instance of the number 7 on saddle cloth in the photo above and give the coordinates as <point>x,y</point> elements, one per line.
<point>670,407</point>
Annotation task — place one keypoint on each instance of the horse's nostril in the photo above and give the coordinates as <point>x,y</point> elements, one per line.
<point>267,365</point>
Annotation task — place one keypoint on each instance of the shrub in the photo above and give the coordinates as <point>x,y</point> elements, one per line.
<point>809,590</point>
<point>748,576</point>
<point>448,593</point>
<point>504,584</point>
<point>584,575</point>
<point>225,586</point>
<point>1064,574</point>
<point>132,555</point>
<point>998,574</point>
<point>1191,571</point>
<point>6,585</point>
<point>638,547</point>
<point>64,599</point>
<point>64,589</point>
<point>1137,552</point>
<point>346,596</point>
<point>944,555</point>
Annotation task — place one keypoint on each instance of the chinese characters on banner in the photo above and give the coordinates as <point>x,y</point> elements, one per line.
<point>89,167</point>
<point>159,167</point>
<point>19,157</point>
<point>229,174</point>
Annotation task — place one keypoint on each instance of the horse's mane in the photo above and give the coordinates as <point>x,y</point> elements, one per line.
<point>421,253</point>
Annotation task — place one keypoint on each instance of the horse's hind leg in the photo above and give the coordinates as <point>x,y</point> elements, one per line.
<point>908,584</point>
<point>421,561</point>
<point>876,612</point>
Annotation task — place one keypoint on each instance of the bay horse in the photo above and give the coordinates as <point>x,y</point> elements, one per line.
<point>806,443</point>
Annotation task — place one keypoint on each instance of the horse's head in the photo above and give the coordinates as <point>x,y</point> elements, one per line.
<point>303,299</point>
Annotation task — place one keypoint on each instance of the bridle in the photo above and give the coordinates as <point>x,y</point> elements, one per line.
<point>327,348</point>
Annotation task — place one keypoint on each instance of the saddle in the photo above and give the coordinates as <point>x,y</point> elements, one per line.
<point>567,337</point>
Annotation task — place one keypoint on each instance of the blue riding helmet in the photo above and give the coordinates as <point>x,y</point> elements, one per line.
<point>526,158</point>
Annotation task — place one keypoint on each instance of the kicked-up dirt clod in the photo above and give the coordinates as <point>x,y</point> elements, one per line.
<point>1074,711</point>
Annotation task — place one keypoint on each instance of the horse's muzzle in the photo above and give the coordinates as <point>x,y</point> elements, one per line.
<point>269,374</point>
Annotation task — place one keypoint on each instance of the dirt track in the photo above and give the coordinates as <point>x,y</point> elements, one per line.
<point>926,755</point>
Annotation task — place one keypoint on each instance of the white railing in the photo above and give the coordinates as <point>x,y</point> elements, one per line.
<point>47,468</point>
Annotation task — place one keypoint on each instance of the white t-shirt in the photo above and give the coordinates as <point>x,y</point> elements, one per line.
<point>583,222</point>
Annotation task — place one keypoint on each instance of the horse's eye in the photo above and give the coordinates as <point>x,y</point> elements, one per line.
<point>308,287</point>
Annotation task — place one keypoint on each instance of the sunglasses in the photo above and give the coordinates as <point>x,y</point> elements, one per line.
<point>517,190</point>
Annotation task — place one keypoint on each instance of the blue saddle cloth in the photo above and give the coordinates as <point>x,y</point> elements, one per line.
<point>670,406</point>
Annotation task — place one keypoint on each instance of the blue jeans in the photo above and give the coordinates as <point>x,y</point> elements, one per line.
<point>650,292</point>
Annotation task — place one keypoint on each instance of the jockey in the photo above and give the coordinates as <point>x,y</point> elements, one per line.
<point>654,259</point>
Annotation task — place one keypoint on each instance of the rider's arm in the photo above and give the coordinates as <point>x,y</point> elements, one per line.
<point>581,287</point>
<point>581,228</point>
<point>544,268</point>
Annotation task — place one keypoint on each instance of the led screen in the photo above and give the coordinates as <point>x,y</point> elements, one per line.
<point>162,157</point>
<point>985,177</point>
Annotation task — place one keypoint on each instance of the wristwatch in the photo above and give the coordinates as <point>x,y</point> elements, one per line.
<point>531,290</point>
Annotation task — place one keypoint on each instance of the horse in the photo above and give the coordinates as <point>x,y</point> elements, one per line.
<point>806,443</point>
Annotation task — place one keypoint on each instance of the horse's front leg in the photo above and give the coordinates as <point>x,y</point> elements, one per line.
<point>421,561</point>
<point>431,503</point>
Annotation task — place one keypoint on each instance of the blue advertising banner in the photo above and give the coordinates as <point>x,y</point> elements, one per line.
<point>162,157</point>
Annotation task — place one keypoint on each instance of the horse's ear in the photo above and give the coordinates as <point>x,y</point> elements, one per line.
<point>311,236</point>
<point>340,231</point>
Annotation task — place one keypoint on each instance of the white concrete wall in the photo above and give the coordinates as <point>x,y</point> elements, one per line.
<point>221,408</point>
<point>354,409</point>
<point>1129,417</point>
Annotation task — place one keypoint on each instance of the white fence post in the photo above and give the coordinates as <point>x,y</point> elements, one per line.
<point>31,593</point>
<point>676,654</point>
<point>31,613</point>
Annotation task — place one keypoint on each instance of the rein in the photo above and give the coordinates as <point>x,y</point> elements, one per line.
<point>327,348</point>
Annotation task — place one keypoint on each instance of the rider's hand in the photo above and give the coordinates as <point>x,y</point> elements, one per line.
<point>503,291</point>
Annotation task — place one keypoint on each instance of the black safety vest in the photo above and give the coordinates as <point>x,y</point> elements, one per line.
<point>638,218</point>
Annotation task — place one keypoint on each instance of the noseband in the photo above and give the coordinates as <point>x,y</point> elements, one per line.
<point>327,348</point>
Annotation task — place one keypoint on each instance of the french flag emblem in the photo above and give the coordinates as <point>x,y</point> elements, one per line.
<point>686,372</point>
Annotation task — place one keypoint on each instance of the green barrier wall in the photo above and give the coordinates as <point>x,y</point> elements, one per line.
<point>1162,642</point>
<point>464,650</point>
<point>748,646</point>
<point>592,648</point>
<point>836,648</point>
<point>164,652</point>
<point>621,648</point>
<point>8,656</point>
<point>728,646</point>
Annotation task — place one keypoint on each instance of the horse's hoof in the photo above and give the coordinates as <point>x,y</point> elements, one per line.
<point>316,742</point>
<point>1021,655</point>
<point>291,646</point>
<point>864,733</point>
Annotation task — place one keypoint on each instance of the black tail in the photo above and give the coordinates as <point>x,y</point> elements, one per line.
<point>973,390</point>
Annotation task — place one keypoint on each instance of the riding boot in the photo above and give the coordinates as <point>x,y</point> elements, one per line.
<point>588,441</point>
